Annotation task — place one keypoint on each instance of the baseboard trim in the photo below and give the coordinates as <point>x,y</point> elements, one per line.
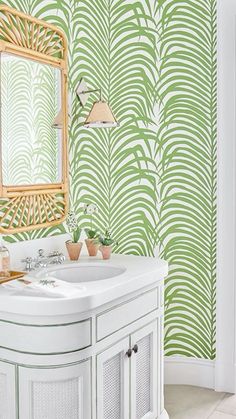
<point>225,377</point>
<point>190,371</point>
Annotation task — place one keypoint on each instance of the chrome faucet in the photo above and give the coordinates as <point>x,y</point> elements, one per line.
<point>42,261</point>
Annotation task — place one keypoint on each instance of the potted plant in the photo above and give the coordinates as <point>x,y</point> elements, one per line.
<point>92,241</point>
<point>106,243</point>
<point>73,246</point>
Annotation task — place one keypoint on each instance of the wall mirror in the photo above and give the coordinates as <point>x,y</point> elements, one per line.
<point>30,100</point>
<point>33,92</point>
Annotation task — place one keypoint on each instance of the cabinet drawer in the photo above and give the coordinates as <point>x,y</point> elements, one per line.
<point>120,316</point>
<point>53,339</point>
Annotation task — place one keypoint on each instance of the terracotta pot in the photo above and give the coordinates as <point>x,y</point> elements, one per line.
<point>106,251</point>
<point>73,249</point>
<point>92,247</point>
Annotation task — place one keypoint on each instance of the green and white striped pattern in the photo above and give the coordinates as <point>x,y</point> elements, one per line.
<point>153,178</point>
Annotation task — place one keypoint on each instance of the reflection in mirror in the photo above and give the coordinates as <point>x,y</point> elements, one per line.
<point>30,101</point>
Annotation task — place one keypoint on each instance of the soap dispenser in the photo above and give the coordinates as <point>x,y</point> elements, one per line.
<point>4,260</point>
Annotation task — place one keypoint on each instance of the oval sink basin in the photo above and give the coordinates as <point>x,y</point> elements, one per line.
<point>83,273</point>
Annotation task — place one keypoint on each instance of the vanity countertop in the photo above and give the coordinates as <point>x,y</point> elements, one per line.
<point>138,272</point>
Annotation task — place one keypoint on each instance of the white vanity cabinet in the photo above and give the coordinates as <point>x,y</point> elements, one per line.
<point>127,377</point>
<point>100,361</point>
<point>115,373</point>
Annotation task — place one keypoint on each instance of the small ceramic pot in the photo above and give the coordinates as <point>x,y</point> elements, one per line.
<point>106,251</point>
<point>92,247</point>
<point>73,249</point>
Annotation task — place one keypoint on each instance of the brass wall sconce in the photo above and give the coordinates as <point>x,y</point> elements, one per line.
<point>101,115</point>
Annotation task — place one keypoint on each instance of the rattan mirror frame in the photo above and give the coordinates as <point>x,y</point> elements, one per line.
<point>24,208</point>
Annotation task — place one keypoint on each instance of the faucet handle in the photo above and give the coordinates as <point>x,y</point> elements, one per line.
<point>57,257</point>
<point>54,253</point>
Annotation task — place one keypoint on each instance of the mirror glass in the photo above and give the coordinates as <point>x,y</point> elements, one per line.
<point>30,101</point>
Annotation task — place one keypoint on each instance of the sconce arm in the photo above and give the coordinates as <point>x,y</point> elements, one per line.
<point>83,92</point>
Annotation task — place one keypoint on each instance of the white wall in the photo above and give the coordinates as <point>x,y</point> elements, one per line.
<point>225,361</point>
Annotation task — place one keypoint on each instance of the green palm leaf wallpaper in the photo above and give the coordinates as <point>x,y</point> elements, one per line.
<point>187,135</point>
<point>154,177</point>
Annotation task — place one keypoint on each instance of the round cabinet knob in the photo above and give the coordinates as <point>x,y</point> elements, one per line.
<point>129,353</point>
<point>135,349</point>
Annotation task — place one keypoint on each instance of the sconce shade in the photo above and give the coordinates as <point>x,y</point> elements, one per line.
<point>58,121</point>
<point>101,116</point>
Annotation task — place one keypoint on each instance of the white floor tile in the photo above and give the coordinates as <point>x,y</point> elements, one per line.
<point>221,415</point>
<point>228,404</point>
<point>187,402</point>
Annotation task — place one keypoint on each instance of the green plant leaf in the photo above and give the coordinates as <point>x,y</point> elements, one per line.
<point>76,235</point>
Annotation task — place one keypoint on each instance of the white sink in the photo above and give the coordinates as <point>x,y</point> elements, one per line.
<point>99,282</point>
<point>82,273</point>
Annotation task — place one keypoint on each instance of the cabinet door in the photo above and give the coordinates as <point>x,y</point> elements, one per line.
<point>7,391</point>
<point>113,382</point>
<point>144,372</point>
<point>55,393</point>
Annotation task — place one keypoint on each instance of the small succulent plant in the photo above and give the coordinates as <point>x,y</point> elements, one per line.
<point>92,234</point>
<point>73,228</point>
<point>106,239</point>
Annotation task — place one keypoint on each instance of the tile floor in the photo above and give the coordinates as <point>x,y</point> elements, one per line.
<point>186,402</point>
